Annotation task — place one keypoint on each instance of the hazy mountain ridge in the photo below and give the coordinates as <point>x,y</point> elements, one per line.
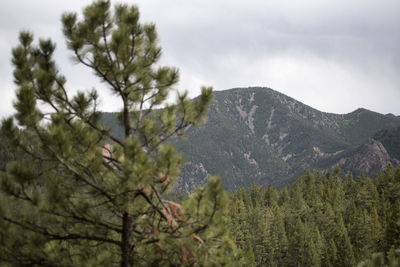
<point>370,158</point>
<point>260,135</point>
<point>390,138</point>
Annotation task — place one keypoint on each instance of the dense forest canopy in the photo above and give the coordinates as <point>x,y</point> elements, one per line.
<point>321,220</point>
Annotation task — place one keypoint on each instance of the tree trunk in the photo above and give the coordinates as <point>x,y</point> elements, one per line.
<point>127,244</point>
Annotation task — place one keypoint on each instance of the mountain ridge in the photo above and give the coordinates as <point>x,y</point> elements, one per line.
<point>259,135</point>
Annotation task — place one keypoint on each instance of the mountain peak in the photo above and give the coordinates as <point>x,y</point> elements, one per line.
<point>257,134</point>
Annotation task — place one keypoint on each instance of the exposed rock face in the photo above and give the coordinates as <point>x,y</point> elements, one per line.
<point>192,176</point>
<point>370,159</point>
<point>258,135</point>
<point>390,139</point>
<point>247,117</point>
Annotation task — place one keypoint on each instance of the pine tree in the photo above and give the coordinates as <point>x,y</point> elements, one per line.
<point>278,240</point>
<point>344,248</point>
<point>320,245</point>
<point>331,256</point>
<point>392,233</point>
<point>270,196</point>
<point>82,201</point>
<point>297,243</point>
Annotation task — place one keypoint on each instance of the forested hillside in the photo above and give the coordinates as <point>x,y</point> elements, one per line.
<point>79,187</point>
<point>258,135</point>
<point>320,220</point>
<point>390,138</point>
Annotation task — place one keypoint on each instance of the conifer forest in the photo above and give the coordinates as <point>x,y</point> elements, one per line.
<point>75,192</point>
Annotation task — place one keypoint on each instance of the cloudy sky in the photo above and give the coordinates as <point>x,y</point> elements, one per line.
<point>334,55</point>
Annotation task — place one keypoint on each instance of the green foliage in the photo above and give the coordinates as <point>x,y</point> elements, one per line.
<point>74,199</point>
<point>321,220</point>
<point>7,153</point>
<point>390,139</point>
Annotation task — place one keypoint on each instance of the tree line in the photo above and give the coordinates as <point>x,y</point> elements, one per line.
<point>321,220</point>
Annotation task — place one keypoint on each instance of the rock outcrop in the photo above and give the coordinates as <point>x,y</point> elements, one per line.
<point>370,158</point>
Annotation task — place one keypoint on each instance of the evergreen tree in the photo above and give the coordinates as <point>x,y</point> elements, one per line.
<point>278,239</point>
<point>331,256</point>
<point>392,233</point>
<point>7,153</point>
<point>297,243</point>
<point>322,220</point>
<point>320,246</point>
<point>270,196</point>
<point>344,248</point>
<point>82,201</point>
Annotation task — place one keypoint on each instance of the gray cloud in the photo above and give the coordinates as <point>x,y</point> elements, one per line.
<point>332,55</point>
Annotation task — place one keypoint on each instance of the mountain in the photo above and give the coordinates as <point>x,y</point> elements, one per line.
<point>258,135</point>
<point>370,158</point>
<point>390,138</point>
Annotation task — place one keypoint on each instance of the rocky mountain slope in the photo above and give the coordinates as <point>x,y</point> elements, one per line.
<point>390,138</point>
<point>260,135</point>
<point>370,158</point>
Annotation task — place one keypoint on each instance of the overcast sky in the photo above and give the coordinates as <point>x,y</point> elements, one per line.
<point>335,56</point>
